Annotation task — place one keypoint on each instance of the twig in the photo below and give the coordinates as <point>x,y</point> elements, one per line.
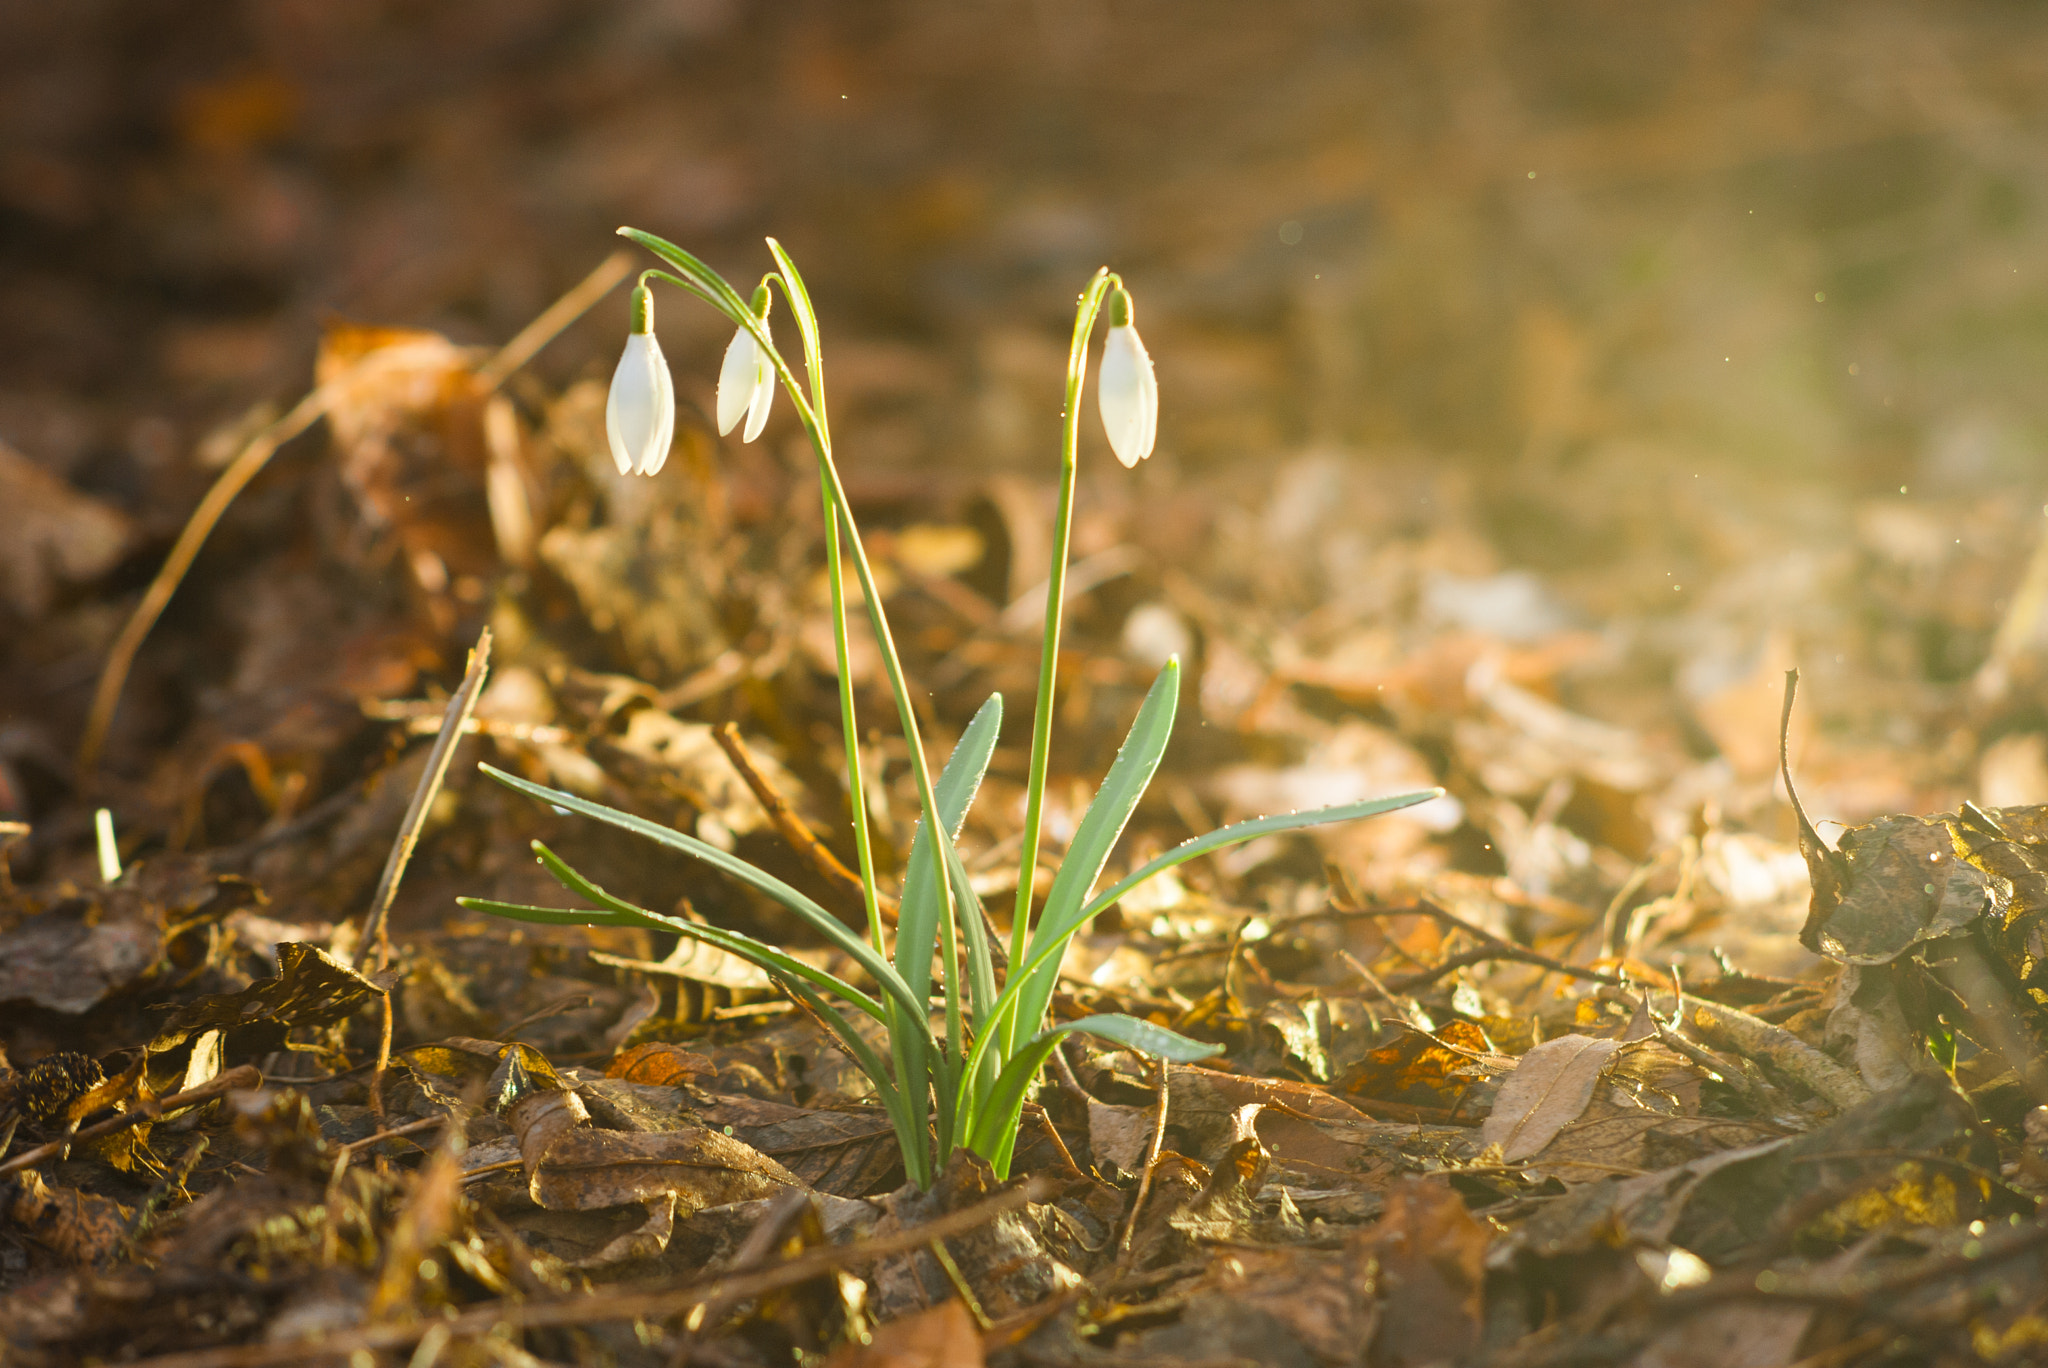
<point>1713,1063</point>
<point>1063,1075</point>
<point>1039,1114</point>
<point>409,1128</point>
<point>790,827</point>
<point>1488,954</point>
<point>1145,1180</point>
<point>375,930</point>
<point>256,454</point>
<point>1372,980</point>
<point>1492,947</point>
<point>1863,1286</point>
<point>1730,1028</point>
<point>241,1076</point>
<point>627,1305</point>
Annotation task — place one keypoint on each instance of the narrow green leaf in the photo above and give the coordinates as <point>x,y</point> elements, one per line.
<point>806,323</point>
<point>821,921</point>
<point>546,916</point>
<point>1240,832</point>
<point>758,953</point>
<point>995,1129</point>
<point>721,294</point>
<point>1136,760</point>
<point>917,920</point>
<point>917,923</point>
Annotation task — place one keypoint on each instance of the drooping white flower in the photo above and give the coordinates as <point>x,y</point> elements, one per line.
<point>1129,393</point>
<point>746,382</point>
<point>640,414</point>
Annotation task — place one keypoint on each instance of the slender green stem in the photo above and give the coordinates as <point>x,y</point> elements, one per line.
<point>863,841</point>
<point>1049,652</point>
<point>811,415</point>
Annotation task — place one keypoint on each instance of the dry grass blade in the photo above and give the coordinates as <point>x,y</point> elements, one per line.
<point>790,827</point>
<point>1152,1151</point>
<point>452,723</point>
<point>553,319</point>
<point>256,454</point>
<point>374,922</point>
<point>106,696</point>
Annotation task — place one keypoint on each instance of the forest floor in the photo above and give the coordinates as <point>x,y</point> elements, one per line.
<point>1603,1057</point>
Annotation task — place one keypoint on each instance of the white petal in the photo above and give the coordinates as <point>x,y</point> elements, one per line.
<point>640,413</point>
<point>1128,397</point>
<point>737,379</point>
<point>655,454</point>
<point>762,398</point>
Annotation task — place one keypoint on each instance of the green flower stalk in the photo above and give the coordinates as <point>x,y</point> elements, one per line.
<point>963,1084</point>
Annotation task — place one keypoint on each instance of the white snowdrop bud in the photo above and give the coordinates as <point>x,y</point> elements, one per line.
<point>1129,394</point>
<point>640,415</point>
<point>746,382</point>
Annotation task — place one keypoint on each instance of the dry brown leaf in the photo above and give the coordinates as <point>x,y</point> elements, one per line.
<point>78,1227</point>
<point>1546,1092</point>
<point>944,1336</point>
<point>659,1062</point>
<point>1119,1135</point>
<point>1432,1255</point>
<point>55,535</point>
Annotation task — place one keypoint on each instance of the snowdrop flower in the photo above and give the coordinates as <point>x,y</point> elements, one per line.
<point>746,382</point>
<point>1129,397</point>
<point>640,415</point>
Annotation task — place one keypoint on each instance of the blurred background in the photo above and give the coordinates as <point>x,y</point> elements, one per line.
<point>1792,237</point>
<point>1634,353</point>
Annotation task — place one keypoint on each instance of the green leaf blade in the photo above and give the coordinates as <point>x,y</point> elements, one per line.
<point>995,1129</point>
<point>830,927</point>
<point>1239,832</point>
<point>1129,775</point>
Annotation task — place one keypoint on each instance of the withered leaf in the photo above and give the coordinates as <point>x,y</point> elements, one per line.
<point>311,988</point>
<point>1432,1255</point>
<point>584,1167</point>
<point>1119,1136</point>
<point>55,534</point>
<point>1423,1069</point>
<point>1269,1305</point>
<point>572,1165</point>
<point>661,1063</point>
<point>943,1336</point>
<point>76,955</point>
<point>78,1227</point>
<point>1730,1337</point>
<point>1546,1092</point>
<point>845,1153</point>
<point>1904,883</point>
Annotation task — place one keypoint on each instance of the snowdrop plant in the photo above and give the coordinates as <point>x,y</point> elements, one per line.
<point>960,1083</point>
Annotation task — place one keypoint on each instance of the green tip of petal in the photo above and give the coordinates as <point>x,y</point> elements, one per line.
<point>1119,308</point>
